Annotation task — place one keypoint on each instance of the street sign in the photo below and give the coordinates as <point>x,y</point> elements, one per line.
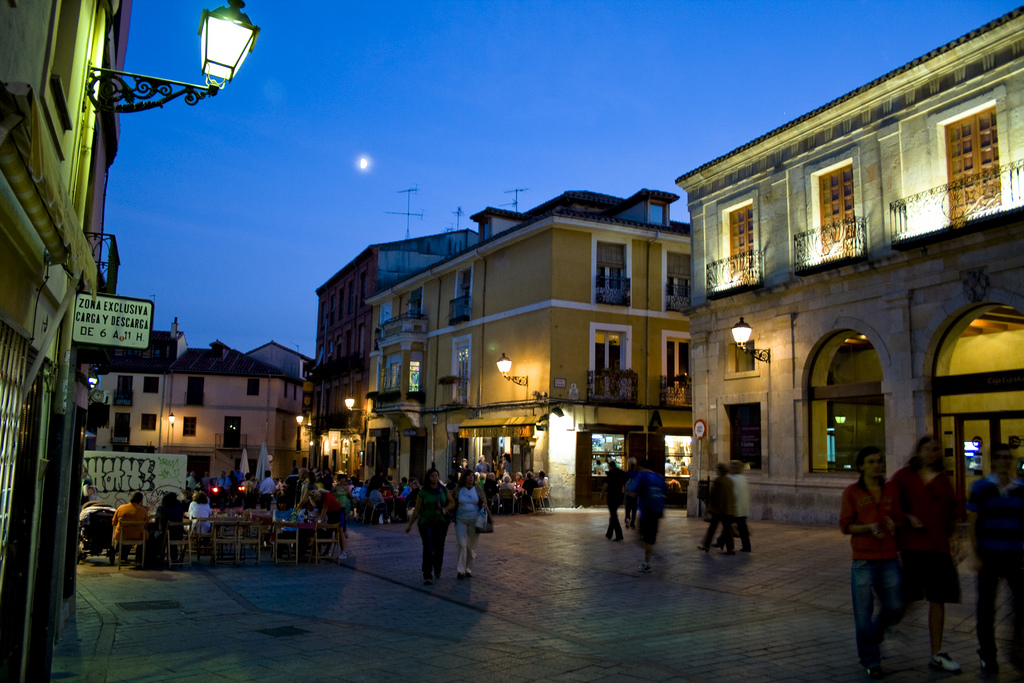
<point>108,320</point>
<point>700,428</point>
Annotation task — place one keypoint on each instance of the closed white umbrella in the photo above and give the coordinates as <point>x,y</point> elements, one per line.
<point>243,466</point>
<point>263,463</point>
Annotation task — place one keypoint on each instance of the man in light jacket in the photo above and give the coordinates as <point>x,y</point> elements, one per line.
<point>741,503</point>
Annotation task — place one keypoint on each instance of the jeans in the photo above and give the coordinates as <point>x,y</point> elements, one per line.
<point>631,510</point>
<point>466,537</point>
<point>996,564</point>
<point>433,535</point>
<point>869,578</point>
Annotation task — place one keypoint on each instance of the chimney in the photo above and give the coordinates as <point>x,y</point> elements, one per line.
<point>174,328</point>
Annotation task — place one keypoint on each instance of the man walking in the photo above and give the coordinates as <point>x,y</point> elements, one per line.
<point>995,515</point>
<point>720,504</point>
<point>741,503</point>
<point>614,485</point>
<point>651,491</point>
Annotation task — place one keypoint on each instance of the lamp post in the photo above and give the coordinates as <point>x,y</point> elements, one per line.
<point>298,433</point>
<point>504,365</point>
<point>226,37</point>
<point>170,430</point>
<point>741,335</point>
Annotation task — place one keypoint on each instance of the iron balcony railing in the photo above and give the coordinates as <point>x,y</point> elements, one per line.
<point>459,309</point>
<point>230,441</point>
<point>831,245</point>
<point>676,391</point>
<point>121,435</point>
<point>612,386</point>
<point>937,212</point>
<point>123,397</point>
<point>677,296</point>
<point>735,274</point>
<point>612,290</point>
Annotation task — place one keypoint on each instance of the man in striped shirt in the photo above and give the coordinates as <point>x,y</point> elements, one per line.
<point>996,522</point>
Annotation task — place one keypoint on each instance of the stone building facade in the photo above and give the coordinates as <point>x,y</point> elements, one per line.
<point>875,247</point>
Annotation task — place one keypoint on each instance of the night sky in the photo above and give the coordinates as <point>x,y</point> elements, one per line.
<point>231,213</point>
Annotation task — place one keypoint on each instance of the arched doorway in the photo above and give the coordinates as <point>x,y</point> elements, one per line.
<point>978,386</point>
<point>847,407</point>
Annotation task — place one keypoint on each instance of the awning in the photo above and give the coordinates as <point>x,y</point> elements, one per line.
<point>499,426</point>
<point>33,171</point>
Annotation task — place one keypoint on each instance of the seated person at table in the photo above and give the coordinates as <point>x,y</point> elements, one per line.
<point>199,508</point>
<point>490,487</point>
<point>380,507</point>
<point>169,510</point>
<point>542,479</point>
<point>330,512</point>
<point>529,484</point>
<point>519,479</point>
<point>506,483</point>
<point>133,511</point>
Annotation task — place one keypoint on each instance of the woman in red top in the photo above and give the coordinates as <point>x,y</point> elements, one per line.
<point>870,514</point>
<point>926,497</point>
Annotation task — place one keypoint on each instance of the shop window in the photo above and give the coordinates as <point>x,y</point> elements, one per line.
<point>678,452</point>
<point>605,447</point>
<point>745,433</point>
<point>847,407</point>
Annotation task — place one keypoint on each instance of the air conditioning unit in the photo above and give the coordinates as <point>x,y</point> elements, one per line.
<point>100,396</point>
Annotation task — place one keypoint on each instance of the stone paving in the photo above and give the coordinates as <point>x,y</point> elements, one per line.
<point>550,599</point>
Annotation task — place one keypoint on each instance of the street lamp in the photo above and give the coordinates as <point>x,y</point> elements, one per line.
<point>227,36</point>
<point>170,431</point>
<point>504,365</point>
<point>741,335</point>
<point>298,433</point>
<point>349,402</point>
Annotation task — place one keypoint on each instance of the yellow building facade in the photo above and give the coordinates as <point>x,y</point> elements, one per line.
<point>586,295</point>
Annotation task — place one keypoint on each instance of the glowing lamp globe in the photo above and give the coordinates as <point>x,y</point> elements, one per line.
<point>227,36</point>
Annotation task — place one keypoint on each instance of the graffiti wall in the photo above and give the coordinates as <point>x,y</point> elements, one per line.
<point>117,475</point>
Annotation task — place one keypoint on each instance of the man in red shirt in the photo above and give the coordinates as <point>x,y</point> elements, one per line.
<point>926,497</point>
<point>870,514</point>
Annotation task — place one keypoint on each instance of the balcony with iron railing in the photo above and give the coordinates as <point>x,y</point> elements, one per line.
<point>123,397</point>
<point>612,386</point>
<point>408,327</point>
<point>939,213</point>
<point>677,296</point>
<point>676,391</point>
<point>612,290</point>
<point>231,441</point>
<point>459,309</point>
<point>458,388</point>
<point>739,273</point>
<point>121,435</point>
<point>832,245</point>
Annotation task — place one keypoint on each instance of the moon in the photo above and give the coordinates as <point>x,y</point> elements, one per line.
<point>363,163</point>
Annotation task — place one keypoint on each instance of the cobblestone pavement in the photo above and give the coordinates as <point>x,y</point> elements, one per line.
<point>550,599</point>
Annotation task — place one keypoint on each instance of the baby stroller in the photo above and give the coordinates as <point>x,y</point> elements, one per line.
<point>95,531</point>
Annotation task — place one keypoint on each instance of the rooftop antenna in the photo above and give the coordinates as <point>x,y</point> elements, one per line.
<point>415,189</point>
<point>458,215</point>
<point>515,202</point>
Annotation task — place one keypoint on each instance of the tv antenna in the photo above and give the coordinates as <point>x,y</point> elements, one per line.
<point>515,202</point>
<point>415,189</point>
<point>459,213</point>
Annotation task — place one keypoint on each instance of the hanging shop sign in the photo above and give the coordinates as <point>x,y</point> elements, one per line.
<point>107,320</point>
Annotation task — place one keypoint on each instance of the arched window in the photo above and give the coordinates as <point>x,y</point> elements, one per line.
<point>847,410</point>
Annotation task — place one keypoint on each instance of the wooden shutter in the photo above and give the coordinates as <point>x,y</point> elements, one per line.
<point>741,230</point>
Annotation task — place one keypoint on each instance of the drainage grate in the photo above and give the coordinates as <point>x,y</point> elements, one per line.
<point>283,631</point>
<point>149,605</point>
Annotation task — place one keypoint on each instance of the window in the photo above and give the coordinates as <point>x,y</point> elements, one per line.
<point>607,351</point>
<point>194,392</point>
<point>341,301</point>
<point>392,373</point>
<point>463,282</point>
<point>836,195</point>
<point>150,385</point>
<point>612,285</point>
<point>351,301</point>
<point>332,308</point>
<point>677,281</point>
<point>252,387</point>
<point>461,355</point>
<point>414,375</point>
<point>741,230</point>
<point>972,154</point>
<point>416,301</point>
<point>745,433</point>
<point>122,428</point>
<point>148,422</point>
<point>232,432</point>
<point>123,396</point>
<point>657,214</point>
<point>847,407</point>
<point>362,287</point>
<point>188,426</point>
<point>348,342</point>
<point>362,339</point>
<point>740,360</point>
<point>677,358</point>
<point>385,312</point>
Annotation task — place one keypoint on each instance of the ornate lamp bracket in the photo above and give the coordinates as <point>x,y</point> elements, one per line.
<point>763,355</point>
<point>521,380</point>
<point>122,92</point>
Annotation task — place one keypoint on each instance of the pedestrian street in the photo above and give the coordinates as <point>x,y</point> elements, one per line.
<point>550,599</point>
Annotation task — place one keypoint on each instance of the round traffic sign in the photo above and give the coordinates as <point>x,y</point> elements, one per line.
<point>700,428</point>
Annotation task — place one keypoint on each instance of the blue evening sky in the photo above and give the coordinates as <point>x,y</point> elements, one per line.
<point>231,213</point>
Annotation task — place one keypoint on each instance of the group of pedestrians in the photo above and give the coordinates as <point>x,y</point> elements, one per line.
<point>728,506</point>
<point>643,490</point>
<point>902,535</point>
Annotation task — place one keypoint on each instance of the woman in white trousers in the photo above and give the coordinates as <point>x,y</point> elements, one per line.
<point>470,500</point>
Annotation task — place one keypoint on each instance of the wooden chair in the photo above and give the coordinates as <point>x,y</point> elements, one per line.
<point>537,498</point>
<point>201,542</point>
<point>225,539</point>
<point>327,544</point>
<point>248,537</point>
<point>546,499</point>
<point>178,544</point>
<point>289,545</point>
<point>507,497</point>
<point>133,529</point>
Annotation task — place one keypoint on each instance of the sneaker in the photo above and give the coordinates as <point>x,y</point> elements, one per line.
<point>427,582</point>
<point>942,662</point>
<point>875,672</point>
<point>343,556</point>
<point>989,666</point>
<point>644,568</point>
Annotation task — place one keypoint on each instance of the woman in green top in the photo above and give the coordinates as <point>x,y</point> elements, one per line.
<point>432,506</point>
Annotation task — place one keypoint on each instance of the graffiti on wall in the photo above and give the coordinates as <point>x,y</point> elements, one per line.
<point>117,475</point>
